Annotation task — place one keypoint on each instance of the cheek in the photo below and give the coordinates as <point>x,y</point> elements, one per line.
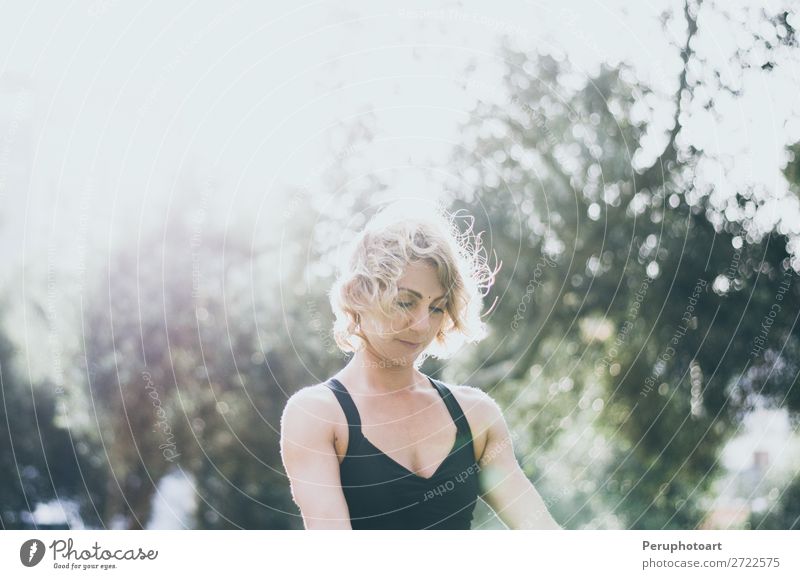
<point>385,328</point>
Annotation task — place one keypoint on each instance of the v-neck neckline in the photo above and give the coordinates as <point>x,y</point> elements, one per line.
<point>408,470</point>
<point>392,460</point>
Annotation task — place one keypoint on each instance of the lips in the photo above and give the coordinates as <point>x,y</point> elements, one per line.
<point>409,344</point>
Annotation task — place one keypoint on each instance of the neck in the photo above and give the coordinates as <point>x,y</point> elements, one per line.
<point>374,373</point>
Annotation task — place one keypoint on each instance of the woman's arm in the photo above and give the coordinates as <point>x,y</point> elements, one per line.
<point>309,457</point>
<point>503,484</point>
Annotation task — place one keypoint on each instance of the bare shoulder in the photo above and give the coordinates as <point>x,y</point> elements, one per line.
<point>482,413</point>
<point>477,404</point>
<point>315,404</point>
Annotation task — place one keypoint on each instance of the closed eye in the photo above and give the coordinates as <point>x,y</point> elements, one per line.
<point>406,305</point>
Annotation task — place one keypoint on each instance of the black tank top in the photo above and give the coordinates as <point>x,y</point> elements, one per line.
<point>383,494</point>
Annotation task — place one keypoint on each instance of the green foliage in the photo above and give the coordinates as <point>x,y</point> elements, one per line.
<point>784,514</point>
<point>39,458</point>
<point>608,284</point>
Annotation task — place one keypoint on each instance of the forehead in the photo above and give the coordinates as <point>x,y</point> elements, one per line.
<point>423,278</point>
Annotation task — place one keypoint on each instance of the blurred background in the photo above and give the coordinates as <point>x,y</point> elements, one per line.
<point>177,180</point>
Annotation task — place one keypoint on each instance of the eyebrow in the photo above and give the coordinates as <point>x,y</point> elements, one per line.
<point>419,295</point>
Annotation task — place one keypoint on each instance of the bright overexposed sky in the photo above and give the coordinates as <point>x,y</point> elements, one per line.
<point>114,112</point>
<point>110,101</point>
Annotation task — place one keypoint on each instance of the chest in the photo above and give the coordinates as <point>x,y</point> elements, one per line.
<point>416,433</point>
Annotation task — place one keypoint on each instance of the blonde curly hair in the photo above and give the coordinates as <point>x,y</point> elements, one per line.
<point>396,236</point>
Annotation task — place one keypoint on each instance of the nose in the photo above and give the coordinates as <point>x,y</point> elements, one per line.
<point>421,320</point>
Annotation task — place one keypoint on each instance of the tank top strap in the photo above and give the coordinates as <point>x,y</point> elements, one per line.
<point>349,408</point>
<point>456,413</point>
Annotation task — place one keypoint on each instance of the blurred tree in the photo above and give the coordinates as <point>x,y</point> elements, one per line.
<point>39,458</point>
<point>785,512</point>
<point>663,294</point>
<point>185,378</point>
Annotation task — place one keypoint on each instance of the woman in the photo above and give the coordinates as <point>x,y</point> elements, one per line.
<point>381,445</point>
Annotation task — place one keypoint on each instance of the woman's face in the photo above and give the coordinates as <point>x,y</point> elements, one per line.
<point>421,299</point>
